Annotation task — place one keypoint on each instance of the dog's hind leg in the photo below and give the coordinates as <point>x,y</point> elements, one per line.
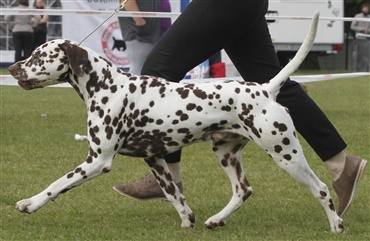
<point>291,159</point>
<point>229,154</point>
<point>171,191</point>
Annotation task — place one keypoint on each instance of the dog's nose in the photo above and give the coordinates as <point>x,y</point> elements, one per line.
<point>12,67</point>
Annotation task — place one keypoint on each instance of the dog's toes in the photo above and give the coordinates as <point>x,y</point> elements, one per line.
<point>187,224</point>
<point>339,227</point>
<point>23,206</point>
<point>214,224</point>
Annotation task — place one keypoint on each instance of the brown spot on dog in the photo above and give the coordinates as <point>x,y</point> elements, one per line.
<point>89,159</point>
<point>323,194</point>
<point>132,88</point>
<point>278,148</point>
<point>191,106</point>
<point>286,141</point>
<point>200,94</point>
<point>287,157</point>
<point>280,126</point>
<point>331,205</point>
<point>104,100</point>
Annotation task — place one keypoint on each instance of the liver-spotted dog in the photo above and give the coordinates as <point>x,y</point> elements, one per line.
<point>149,117</point>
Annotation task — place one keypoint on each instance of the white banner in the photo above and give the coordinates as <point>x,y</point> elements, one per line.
<point>107,40</point>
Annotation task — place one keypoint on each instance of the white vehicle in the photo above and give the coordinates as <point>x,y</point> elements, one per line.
<point>288,34</point>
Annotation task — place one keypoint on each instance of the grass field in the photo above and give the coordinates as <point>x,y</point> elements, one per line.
<point>38,146</point>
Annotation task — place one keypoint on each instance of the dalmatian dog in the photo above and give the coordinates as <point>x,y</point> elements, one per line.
<point>133,115</point>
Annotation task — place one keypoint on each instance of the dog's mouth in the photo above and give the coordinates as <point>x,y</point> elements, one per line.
<point>29,84</point>
<point>19,74</point>
<point>22,77</point>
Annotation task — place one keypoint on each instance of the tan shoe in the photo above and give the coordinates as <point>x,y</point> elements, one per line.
<point>346,185</point>
<point>144,190</point>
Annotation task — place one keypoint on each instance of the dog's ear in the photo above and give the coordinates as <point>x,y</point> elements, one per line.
<point>77,57</point>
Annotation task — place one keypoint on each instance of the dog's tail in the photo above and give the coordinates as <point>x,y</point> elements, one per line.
<point>276,82</point>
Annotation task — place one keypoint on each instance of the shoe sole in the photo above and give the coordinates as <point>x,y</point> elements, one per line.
<point>140,199</point>
<point>359,175</point>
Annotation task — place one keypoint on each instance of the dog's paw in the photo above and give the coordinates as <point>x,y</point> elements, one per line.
<point>213,223</point>
<point>25,206</point>
<point>338,226</point>
<point>188,222</point>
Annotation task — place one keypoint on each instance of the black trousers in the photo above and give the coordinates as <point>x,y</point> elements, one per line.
<point>40,38</point>
<point>23,45</point>
<point>239,27</point>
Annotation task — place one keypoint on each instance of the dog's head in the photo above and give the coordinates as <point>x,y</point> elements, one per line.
<point>50,64</point>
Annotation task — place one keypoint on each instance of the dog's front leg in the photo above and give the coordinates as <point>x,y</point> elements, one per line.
<point>172,192</point>
<point>93,166</point>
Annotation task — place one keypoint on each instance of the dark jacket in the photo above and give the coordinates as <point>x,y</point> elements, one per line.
<point>150,32</point>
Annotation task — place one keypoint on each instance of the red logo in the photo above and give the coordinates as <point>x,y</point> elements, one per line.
<point>113,45</point>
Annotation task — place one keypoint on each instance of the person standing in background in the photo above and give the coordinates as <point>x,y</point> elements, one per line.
<point>40,30</point>
<point>23,39</point>
<point>362,44</point>
<point>140,34</point>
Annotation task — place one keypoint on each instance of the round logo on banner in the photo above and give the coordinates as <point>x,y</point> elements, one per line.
<point>113,46</point>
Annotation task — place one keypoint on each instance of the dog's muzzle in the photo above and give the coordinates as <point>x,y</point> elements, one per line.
<point>18,73</point>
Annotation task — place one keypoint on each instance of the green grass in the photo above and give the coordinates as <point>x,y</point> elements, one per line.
<point>38,146</point>
<point>4,71</point>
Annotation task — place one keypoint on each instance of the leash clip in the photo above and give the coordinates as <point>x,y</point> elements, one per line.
<point>121,6</point>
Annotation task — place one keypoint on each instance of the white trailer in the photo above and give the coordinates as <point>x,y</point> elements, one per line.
<point>288,34</point>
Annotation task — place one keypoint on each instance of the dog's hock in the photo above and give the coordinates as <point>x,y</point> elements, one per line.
<point>77,57</point>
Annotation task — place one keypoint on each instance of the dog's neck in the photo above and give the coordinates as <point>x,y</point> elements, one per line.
<point>92,82</point>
